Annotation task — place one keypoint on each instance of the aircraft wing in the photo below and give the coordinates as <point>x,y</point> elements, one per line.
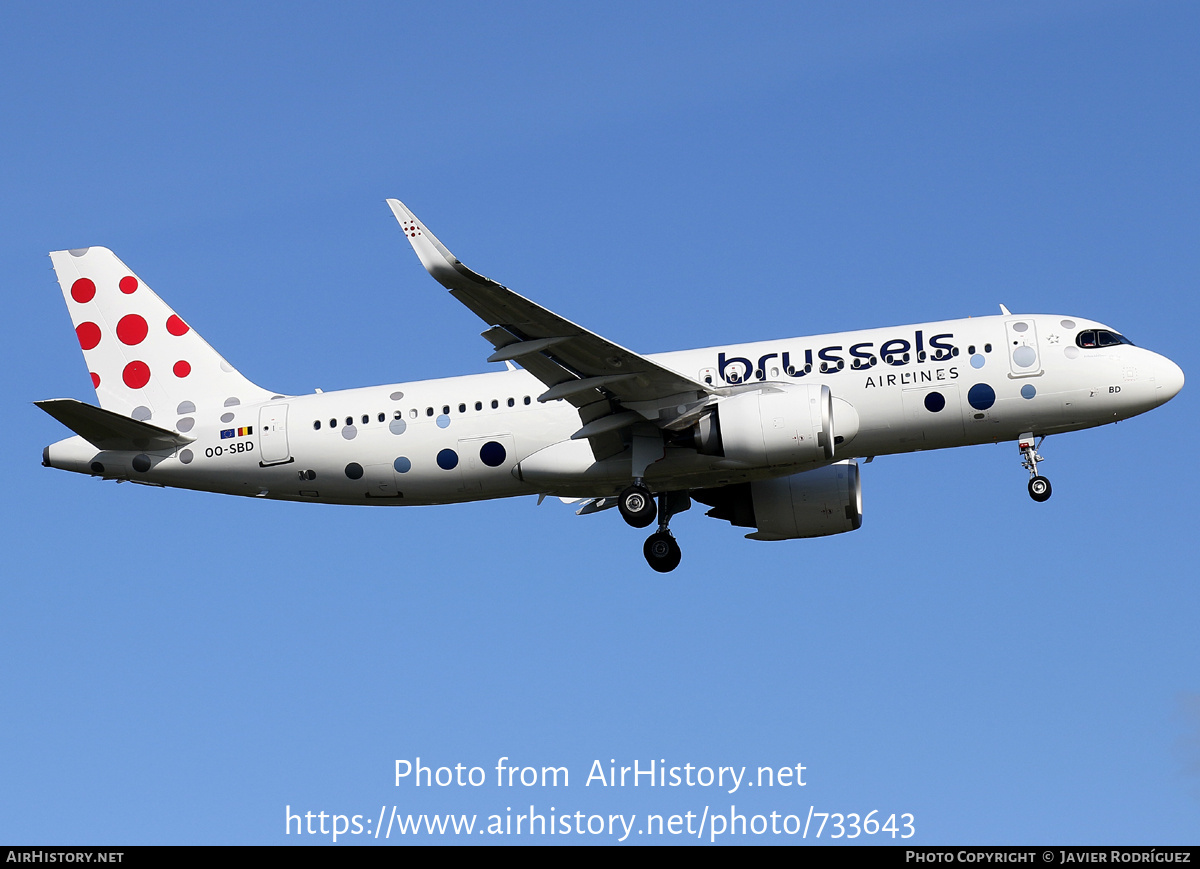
<point>612,387</point>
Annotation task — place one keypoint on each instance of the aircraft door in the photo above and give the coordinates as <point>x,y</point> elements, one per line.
<point>1023,348</point>
<point>272,435</point>
<point>933,415</point>
<point>486,463</point>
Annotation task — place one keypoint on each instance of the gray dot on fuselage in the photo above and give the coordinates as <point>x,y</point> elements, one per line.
<point>232,402</point>
<point>185,407</point>
<point>141,413</point>
<point>185,424</point>
<point>78,251</point>
<point>398,426</point>
<point>186,457</point>
<point>227,417</point>
<point>1024,356</point>
<point>396,396</point>
<point>349,432</point>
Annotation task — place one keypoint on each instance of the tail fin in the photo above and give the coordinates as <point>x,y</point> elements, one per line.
<point>146,363</point>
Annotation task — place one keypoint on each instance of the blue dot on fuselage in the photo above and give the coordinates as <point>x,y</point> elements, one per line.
<point>1028,391</point>
<point>934,402</point>
<point>492,454</point>
<point>447,460</point>
<point>977,360</point>
<point>402,465</point>
<point>981,396</point>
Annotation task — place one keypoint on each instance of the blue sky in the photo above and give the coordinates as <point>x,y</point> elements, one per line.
<point>179,667</point>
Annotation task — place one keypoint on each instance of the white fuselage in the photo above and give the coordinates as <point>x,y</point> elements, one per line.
<point>949,383</point>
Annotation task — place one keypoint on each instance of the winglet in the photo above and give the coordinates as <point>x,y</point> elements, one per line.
<point>442,265</point>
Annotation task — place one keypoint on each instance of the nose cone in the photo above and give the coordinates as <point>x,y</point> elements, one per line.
<point>1168,380</point>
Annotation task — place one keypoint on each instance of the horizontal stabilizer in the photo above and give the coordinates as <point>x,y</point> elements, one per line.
<point>106,430</point>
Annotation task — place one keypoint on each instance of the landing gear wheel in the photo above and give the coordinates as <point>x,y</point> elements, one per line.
<point>1039,489</point>
<point>637,506</point>
<point>662,552</point>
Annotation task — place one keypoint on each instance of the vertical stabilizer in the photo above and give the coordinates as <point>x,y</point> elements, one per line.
<point>145,361</point>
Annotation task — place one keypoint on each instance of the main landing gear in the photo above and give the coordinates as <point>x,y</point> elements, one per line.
<point>638,509</point>
<point>1039,487</point>
<point>662,551</point>
<point>636,505</point>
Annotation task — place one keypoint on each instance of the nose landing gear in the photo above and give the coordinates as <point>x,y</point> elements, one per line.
<point>1039,487</point>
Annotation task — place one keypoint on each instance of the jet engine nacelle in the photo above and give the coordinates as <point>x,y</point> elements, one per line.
<point>814,503</point>
<point>776,424</point>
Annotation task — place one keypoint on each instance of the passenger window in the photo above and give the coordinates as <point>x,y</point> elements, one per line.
<point>495,404</point>
<point>429,411</point>
<point>412,414</point>
<point>366,419</point>
<point>317,424</point>
<point>333,423</point>
<point>527,399</point>
<point>446,409</point>
<point>382,417</point>
<point>511,402</point>
<point>479,405</point>
<point>349,420</point>
<point>462,408</point>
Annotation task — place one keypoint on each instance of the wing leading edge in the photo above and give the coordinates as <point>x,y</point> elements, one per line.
<point>612,387</point>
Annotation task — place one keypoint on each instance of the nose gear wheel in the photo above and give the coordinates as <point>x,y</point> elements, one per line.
<point>1039,486</point>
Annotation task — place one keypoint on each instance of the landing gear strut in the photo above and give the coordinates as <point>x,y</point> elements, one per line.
<point>661,549</point>
<point>1039,487</point>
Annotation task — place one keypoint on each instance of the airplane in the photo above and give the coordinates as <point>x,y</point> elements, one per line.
<point>765,434</point>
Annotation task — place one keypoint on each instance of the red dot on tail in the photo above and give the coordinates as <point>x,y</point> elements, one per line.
<point>132,329</point>
<point>128,284</point>
<point>88,334</point>
<point>176,326</point>
<point>182,368</point>
<point>95,380</point>
<point>83,290</point>
<point>136,374</point>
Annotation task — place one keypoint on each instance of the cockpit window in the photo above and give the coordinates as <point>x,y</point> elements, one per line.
<point>1090,338</point>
